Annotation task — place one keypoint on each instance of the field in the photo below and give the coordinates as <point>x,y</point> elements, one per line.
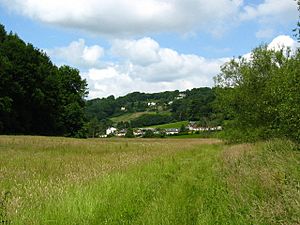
<point>171,125</point>
<point>131,116</point>
<point>139,181</point>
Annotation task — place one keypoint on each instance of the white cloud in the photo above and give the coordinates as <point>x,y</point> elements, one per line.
<point>283,42</point>
<point>271,12</point>
<point>145,66</point>
<point>143,51</point>
<point>123,83</point>
<point>127,17</point>
<point>146,60</point>
<point>78,54</point>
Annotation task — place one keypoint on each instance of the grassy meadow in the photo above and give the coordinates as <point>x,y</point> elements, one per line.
<point>140,181</point>
<point>171,125</point>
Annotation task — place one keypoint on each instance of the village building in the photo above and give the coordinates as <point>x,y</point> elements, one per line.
<point>111,130</point>
<point>121,133</point>
<point>181,96</point>
<point>151,104</point>
<point>172,131</point>
<point>138,132</point>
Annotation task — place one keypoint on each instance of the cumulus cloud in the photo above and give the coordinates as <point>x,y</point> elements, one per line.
<point>148,61</point>
<point>143,51</point>
<point>122,83</point>
<point>77,54</point>
<point>145,66</point>
<point>271,12</point>
<point>283,42</point>
<point>127,17</point>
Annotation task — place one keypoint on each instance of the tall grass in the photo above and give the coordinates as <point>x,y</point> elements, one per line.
<point>190,181</point>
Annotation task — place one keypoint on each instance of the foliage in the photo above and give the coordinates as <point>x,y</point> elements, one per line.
<point>196,105</point>
<point>129,133</point>
<point>260,97</point>
<point>151,119</point>
<point>183,129</point>
<point>36,97</point>
<point>149,134</point>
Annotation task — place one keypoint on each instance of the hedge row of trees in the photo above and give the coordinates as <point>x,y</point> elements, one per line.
<point>261,96</point>
<point>36,97</point>
<point>150,119</point>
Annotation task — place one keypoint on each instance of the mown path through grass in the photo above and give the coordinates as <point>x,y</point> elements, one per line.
<point>150,182</point>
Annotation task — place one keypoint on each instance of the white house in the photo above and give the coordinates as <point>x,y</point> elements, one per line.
<point>181,96</point>
<point>138,132</point>
<point>123,108</point>
<point>151,104</point>
<point>171,131</point>
<point>111,130</point>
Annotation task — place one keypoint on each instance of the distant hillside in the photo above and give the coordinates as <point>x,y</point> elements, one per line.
<point>141,109</point>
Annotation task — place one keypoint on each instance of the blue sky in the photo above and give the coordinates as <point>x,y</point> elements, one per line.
<point>121,46</point>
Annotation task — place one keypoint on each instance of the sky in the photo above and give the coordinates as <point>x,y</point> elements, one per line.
<point>121,46</point>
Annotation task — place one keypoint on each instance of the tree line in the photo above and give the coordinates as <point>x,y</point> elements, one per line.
<point>37,97</point>
<point>196,104</point>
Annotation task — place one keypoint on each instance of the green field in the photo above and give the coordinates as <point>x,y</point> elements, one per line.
<point>129,116</point>
<point>171,125</point>
<point>140,181</point>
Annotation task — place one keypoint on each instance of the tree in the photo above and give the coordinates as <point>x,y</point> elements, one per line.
<point>129,133</point>
<point>148,134</point>
<point>183,129</point>
<point>72,93</point>
<point>36,97</point>
<point>260,97</point>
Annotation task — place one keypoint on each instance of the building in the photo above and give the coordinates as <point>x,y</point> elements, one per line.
<point>181,96</point>
<point>172,131</point>
<point>111,130</point>
<point>151,104</point>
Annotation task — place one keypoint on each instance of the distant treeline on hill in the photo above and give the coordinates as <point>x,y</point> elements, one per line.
<point>36,97</point>
<point>157,108</point>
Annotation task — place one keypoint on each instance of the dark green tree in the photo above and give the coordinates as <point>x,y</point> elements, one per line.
<point>35,96</point>
<point>129,133</point>
<point>260,97</point>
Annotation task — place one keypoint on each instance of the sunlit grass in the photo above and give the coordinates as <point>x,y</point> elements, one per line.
<point>156,181</point>
<point>171,125</point>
